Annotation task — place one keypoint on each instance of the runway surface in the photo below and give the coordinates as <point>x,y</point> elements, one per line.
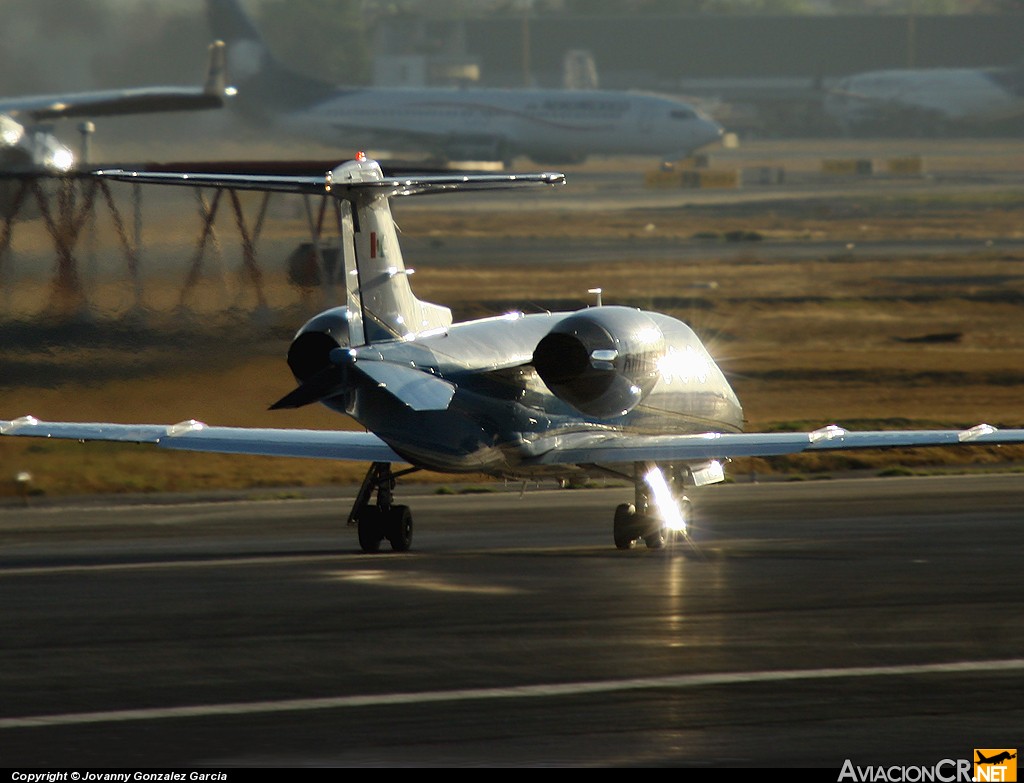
<point>876,620</point>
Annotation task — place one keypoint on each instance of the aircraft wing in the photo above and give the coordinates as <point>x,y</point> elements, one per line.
<point>136,100</point>
<point>196,436</point>
<point>572,449</point>
<point>609,448</point>
<point>139,100</point>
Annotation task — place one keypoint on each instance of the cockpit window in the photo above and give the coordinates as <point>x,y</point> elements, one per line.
<point>682,114</point>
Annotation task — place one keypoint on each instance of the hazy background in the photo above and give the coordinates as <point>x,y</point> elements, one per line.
<point>759,65</point>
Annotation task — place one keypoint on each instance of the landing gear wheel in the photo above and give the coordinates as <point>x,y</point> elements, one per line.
<point>655,539</point>
<point>398,528</point>
<point>380,520</point>
<point>371,529</point>
<point>625,526</point>
<point>686,512</point>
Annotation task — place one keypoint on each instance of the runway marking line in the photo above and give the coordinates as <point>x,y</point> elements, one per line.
<point>513,692</point>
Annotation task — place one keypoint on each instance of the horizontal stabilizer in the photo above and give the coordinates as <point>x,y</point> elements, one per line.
<point>340,188</point>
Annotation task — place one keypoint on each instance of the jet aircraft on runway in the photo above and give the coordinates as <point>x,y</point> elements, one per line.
<point>549,126</point>
<point>605,391</point>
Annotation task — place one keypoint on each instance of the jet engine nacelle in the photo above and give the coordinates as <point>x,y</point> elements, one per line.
<point>32,150</point>
<point>310,351</point>
<point>602,361</point>
<point>27,151</point>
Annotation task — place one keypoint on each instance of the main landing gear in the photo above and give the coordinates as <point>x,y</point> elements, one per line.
<point>661,512</point>
<point>382,519</point>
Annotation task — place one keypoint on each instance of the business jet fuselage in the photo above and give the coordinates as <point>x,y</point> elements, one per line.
<point>622,368</point>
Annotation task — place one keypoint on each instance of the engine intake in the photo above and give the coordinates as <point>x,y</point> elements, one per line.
<point>602,361</point>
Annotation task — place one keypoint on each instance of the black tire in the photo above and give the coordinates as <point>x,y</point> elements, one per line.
<point>625,526</point>
<point>398,528</point>
<point>686,510</point>
<point>371,529</point>
<point>655,539</point>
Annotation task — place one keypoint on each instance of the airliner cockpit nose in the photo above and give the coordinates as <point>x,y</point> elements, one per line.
<point>705,131</point>
<point>692,130</point>
<point>714,131</point>
<point>697,127</point>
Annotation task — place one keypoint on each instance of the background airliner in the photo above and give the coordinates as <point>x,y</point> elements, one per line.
<point>548,126</point>
<point>885,99</point>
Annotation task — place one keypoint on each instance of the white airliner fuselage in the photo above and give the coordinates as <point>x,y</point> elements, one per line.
<point>548,126</point>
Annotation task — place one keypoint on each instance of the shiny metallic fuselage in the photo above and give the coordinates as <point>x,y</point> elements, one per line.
<point>502,412</point>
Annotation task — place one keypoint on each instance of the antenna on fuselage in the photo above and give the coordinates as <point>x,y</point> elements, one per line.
<point>596,291</point>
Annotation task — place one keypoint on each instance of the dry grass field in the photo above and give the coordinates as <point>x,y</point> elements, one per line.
<point>858,305</point>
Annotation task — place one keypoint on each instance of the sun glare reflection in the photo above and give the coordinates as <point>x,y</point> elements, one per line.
<point>668,510</point>
<point>676,591</point>
<point>684,366</point>
<point>414,581</point>
<point>63,160</point>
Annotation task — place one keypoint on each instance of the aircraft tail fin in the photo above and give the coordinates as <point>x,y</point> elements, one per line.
<point>264,85</point>
<point>377,280</point>
<point>381,303</point>
<point>216,83</point>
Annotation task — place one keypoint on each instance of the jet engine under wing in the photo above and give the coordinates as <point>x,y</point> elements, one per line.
<point>608,448</point>
<point>196,436</point>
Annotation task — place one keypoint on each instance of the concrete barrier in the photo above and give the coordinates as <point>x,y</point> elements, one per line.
<point>765,175</point>
<point>694,178</point>
<point>912,166</point>
<point>711,178</point>
<point>848,167</point>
